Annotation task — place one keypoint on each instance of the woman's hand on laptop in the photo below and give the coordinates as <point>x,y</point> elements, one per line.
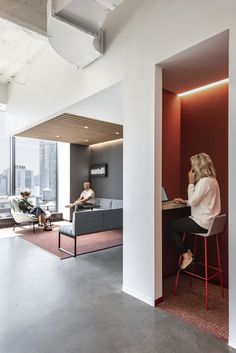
<point>180,201</point>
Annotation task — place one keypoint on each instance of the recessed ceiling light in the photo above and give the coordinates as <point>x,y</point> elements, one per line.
<point>86,140</point>
<point>117,133</point>
<point>57,136</point>
<point>86,127</point>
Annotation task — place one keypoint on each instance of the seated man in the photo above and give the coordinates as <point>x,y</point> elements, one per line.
<point>87,198</point>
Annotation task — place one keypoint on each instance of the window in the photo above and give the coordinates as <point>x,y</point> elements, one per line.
<point>4,169</point>
<point>36,170</point>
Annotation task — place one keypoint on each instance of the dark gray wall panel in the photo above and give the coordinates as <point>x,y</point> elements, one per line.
<point>112,154</point>
<point>79,169</point>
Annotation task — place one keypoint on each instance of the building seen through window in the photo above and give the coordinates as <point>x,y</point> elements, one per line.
<point>34,164</point>
<point>4,169</point>
<point>36,170</point>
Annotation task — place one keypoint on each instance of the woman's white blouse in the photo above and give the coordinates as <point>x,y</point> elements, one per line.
<point>204,199</point>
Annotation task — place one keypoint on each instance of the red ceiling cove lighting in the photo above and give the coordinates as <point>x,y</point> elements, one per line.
<point>195,90</point>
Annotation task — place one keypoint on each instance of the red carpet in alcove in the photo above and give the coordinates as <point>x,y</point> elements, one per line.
<point>85,243</point>
<point>189,302</point>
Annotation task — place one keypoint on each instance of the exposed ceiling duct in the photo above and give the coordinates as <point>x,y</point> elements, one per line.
<point>75,28</point>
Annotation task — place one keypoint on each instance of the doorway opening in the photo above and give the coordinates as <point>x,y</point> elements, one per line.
<point>193,123</point>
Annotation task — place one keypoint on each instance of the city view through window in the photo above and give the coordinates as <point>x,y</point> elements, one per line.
<point>4,169</point>
<point>35,171</point>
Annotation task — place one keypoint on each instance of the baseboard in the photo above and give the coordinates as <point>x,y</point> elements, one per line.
<point>232,342</point>
<point>139,296</point>
<point>158,301</point>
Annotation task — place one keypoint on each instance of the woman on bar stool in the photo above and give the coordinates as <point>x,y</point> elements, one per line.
<point>204,200</point>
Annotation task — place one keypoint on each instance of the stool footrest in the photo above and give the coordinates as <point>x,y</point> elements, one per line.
<point>201,277</point>
<point>202,264</point>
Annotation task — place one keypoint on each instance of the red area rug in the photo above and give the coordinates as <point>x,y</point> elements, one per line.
<point>189,305</point>
<point>85,243</point>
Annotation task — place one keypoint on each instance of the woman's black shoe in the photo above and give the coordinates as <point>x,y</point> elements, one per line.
<point>47,228</point>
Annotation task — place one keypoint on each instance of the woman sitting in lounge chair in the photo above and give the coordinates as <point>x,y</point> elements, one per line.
<point>27,207</point>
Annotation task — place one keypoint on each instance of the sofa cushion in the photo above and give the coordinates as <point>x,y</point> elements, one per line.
<point>116,203</point>
<point>97,201</point>
<point>105,203</point>
<point>66,230</point>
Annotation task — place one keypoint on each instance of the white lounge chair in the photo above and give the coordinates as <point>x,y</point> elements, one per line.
<point>20,218</point>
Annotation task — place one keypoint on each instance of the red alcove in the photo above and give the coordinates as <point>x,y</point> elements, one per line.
<point>193,124</point>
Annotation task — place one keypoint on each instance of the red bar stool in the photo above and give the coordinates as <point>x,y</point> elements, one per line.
<point>217,227</point>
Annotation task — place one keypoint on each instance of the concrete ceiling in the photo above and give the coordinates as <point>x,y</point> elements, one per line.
<point>197,66</point>
<point>30,14</point>
<point>23,28</point>
<point>22,21</point>
<point>18,46</point>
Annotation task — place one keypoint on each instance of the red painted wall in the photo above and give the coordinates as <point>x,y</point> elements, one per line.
<point>204,128</point>
<point>171,144</point>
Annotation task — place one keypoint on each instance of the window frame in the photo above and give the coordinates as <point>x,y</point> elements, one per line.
<point>12,167</point>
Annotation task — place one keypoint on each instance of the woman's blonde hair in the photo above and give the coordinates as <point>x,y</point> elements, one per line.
<point>202,166</point>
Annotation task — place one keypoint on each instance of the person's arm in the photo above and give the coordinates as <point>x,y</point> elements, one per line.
<point>181,201</point>
<point>76,202</point>
<point>30,204</point>
<point>191,180</point>
<point>23,206</point>
<point>198,192</point>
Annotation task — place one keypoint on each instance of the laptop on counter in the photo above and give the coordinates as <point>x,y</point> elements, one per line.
<point>169,204</point>
<point>164,195</point>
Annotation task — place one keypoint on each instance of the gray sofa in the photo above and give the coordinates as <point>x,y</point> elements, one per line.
<point>106,215</point>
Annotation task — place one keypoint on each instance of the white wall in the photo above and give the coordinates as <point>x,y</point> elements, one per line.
<point>106,105</point>
<point>140,33</point>
<point>3,93</point>
<point>64,179</point>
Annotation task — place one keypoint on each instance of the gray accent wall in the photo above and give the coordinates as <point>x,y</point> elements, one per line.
<point>112,154</point>
<point>79,169</point>
<point>83,157</point>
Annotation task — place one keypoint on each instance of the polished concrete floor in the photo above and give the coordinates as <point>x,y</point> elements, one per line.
<point>77,306</point>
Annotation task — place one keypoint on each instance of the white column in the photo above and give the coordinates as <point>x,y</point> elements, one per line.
<point>139,275</point>
<point>64,179</point>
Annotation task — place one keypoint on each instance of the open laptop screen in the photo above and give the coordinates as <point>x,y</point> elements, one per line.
<point>164,196</point>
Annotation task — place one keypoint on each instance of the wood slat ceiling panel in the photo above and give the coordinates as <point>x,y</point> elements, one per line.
<point>75,129</point>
